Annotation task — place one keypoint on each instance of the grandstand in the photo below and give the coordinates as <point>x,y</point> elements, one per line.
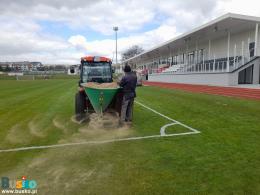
<point>224,52</point>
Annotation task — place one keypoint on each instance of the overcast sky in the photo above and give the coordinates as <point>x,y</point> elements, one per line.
<point>59,31</point>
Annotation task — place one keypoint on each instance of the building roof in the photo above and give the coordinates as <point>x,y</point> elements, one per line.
<point>229,22</point>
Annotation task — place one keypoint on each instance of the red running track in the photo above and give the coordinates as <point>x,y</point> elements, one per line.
<point>246,93</point>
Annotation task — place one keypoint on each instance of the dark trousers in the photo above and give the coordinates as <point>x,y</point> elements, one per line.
<point>127,109</point>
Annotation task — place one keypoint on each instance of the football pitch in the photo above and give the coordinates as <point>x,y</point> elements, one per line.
<point>213,145</point>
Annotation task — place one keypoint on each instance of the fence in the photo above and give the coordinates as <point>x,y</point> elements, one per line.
<point>37,77</point>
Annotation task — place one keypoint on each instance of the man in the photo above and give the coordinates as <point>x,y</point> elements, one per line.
<point>128,83</point>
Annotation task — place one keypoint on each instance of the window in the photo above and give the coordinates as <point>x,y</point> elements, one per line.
<point>252,49</point>
<point>201,53</point>
<point>96,72</point>
<point>182,58</point>
<point>164,61</point>
<point>169,60</point>
<point>174,60</point>
<point>191,58</point>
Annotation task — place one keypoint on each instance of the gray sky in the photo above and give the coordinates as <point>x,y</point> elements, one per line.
<point>54,31</point>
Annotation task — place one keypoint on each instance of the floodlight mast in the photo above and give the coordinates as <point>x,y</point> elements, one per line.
<point>115,28</point>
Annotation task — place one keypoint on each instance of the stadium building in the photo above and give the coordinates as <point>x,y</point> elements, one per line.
<point>224,52</point>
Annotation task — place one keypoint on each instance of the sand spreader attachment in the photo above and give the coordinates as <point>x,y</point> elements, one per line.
<point>100,98</point>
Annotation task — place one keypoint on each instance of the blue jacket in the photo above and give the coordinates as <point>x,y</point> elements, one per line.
<point>128,83</point>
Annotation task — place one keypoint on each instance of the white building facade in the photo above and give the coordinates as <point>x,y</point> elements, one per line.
<point>224,51</point>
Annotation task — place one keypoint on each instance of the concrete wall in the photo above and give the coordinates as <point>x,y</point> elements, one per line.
<point>256,74</point>
<point>221,79</point>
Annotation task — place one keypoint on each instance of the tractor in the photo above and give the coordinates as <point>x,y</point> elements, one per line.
<point>89,99</point>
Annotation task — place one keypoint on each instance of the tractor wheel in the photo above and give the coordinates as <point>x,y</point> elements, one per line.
<point>80,104</point>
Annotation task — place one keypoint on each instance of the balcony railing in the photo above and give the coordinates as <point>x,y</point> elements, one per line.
<point>213,66</point>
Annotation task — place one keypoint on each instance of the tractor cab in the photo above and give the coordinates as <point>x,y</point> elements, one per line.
<point>96,69</point>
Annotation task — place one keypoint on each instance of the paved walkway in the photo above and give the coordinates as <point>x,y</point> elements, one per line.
<point>247,93</point>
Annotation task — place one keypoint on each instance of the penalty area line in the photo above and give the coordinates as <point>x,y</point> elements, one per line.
<point>174,122</point>
<point>162,134</point>
<point>91,142</point>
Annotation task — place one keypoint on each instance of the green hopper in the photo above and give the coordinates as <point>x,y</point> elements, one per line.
<point>100,98</point>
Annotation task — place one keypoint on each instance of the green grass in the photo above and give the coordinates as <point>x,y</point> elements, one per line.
<point>223,159</point>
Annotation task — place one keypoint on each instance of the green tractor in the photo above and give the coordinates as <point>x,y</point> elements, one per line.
<point>90,99</point>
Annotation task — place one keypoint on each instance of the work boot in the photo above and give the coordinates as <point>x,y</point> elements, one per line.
<point>122,124</point>
<point>129,123</point>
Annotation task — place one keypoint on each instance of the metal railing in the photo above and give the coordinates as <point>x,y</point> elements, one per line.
<point>212,66</point>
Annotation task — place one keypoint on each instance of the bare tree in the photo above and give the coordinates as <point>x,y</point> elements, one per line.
<point>131,52</point>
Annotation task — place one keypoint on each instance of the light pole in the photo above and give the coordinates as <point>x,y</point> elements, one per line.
<point>115,28</point>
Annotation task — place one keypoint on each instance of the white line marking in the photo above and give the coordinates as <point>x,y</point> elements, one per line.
<point>162,115</point>
<point>91,142</point>
<point>162,134</point>
<point>170,119</point>
<point>162,131</point>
